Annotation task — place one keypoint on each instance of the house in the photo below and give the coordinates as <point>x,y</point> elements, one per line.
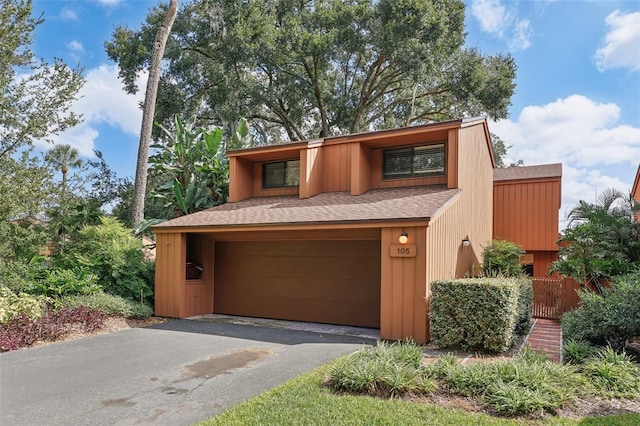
<point>526,202</point>
<point>344,230</point>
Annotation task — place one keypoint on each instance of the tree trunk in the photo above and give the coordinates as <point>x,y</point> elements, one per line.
<point>148,113</point>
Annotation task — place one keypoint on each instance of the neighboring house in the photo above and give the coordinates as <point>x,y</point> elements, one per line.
<point>344,230</point>
<point>526,202</point>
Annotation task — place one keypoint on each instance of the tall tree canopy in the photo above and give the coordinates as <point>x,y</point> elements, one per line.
<point>299,69</point>
<point>35,97</point>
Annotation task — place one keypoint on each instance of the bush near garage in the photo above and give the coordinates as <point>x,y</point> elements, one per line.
<point>479,313</point>
<point>607,319</point>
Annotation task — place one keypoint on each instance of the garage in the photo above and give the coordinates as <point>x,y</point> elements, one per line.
<point>334,282</point>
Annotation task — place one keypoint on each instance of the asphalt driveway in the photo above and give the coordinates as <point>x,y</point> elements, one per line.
<point>175,373</point>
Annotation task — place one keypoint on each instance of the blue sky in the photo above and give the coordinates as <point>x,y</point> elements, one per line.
<point>577,99</point>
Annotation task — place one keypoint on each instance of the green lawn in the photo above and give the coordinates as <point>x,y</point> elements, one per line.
<point>304,401</point>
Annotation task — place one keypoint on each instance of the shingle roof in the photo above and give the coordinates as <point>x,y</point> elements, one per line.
<point>528,172</point>
<point>418,202</point>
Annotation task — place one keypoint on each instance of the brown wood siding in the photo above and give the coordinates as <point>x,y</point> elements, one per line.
<point>310,172</point>
<point>199,292</point>
<point>170,275</point>
<point>378,182</point>
<point>240,179</point>
<point>542,261</point>
<point>475,177</point>
<point>259,191</point>
<point>336,168</point>
<point>403,310</point>
<point>318,281</point>
<point>452,160</point>
<point>526,213</point>
<point>360,169</point>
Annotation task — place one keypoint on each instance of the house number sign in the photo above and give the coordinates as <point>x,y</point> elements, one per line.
<point>402,250</point>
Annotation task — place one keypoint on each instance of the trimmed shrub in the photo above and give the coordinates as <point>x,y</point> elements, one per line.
<point>478,313</point>
<point>502,258</point>
<point>14,305</point>
<point>610,318</point>
<point>525,305</point>
<point>109,305</point>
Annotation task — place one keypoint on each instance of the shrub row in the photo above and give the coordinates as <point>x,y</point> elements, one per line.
<point>610,318</point>
<point>23,332</point>
<point>480,313</point>
<point>527,384</point>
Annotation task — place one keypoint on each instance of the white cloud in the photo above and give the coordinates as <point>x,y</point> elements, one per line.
<point>75,46</point>
<point>495,18</point>
<point>102,101</point>
<point>109,3</point>
<point>492,15</point>
<point>522,33</point>
<point>621,47</point>
<point>68,14</point>
<point>584,135</point>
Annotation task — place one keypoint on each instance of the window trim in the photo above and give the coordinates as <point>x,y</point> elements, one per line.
<point>413,174</point>
<point>284,163</point>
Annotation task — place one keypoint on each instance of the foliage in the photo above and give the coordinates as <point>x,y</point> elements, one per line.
<point>193,164</point>
<point>526,384</point>
<point>478,313</point>
<point>25,187</point>
<point>318,68</point>
<point>609,318</point>
<point>602,240</point>
<point>612,374</point>
<point>62,157</point>
<point>63,282</point>
<point>109,305</point>
<point>23,332</point>
<point>500,149</point>
<point>36,103</point>
<point>502,257</point>
<point>386,369</point>
<point>577,351</point>
<point>13,305</point>
<point>111,252</point>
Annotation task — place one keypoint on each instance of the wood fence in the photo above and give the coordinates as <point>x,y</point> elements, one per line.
<point>554,296</point>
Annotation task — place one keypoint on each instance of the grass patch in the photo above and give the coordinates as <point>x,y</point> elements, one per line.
<point>305,401</point>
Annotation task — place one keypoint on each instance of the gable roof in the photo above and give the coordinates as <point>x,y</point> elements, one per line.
<point>544,171</point>
<point>392,204</point>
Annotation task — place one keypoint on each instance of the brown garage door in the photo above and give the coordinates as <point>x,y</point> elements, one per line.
<point>335,282</point>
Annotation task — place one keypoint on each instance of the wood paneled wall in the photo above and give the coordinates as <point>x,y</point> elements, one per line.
<point>403,306</point>
<point>526,212</point>
<point>175,296</point>
<point>240,179</point>
<point>336,168</point>
<point>475,178</point>
<point>171,249</point>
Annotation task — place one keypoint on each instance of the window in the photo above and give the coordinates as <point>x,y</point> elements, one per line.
<point>415,161</point>
<point>282,174</point>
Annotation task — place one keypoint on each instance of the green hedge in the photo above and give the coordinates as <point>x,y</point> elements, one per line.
<point>480,313</point>
<point>610,318</point>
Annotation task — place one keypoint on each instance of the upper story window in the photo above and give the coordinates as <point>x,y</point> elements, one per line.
<point>416,161</point>
<point>281,174</point>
